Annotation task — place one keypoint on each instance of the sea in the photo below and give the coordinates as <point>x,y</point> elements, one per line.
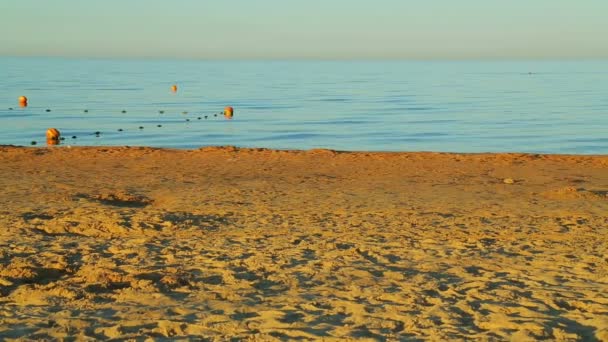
<point>531,106</point>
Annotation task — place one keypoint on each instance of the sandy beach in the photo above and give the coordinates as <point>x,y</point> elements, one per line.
<point>254,244</point>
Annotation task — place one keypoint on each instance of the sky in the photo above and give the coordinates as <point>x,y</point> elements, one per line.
<point>305,29</point>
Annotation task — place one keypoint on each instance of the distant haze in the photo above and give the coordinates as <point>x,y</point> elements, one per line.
<point>305,29</point>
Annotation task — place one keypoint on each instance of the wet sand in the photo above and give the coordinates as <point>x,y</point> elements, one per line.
<point>102,243</point>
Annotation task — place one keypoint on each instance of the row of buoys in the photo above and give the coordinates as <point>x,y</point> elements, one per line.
<point>228,111</point>
<point>53,136</point>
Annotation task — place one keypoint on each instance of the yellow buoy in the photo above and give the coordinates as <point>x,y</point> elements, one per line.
<point>52,134</point>
<point>228,112</point>
<point>174,88</point>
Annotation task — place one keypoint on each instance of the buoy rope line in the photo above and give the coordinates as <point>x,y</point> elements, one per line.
<point>57,138</point>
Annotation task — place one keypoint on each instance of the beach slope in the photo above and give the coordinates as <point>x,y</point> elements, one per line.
<point>221,242</point>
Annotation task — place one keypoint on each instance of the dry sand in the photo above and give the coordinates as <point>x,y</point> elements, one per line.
<point>252,244</point>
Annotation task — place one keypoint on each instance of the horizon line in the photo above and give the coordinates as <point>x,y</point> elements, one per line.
<point>327,59</point>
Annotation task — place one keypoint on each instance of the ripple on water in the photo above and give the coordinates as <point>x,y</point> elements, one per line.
<point>292,136</point>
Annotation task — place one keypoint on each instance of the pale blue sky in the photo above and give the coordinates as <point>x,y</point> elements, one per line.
<point>325,29</point>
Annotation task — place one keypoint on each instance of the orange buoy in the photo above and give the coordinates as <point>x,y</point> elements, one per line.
<point>228,112</point>
<point>23,99</point>
<point>23,104</point>
<point>52,134</point>
<point>52,142</point>
<point>174,88</point>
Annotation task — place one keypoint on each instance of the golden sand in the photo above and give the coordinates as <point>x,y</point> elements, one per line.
<point>101,243</point>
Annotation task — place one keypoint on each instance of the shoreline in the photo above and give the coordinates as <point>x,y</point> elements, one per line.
<point>310,150</point>
<point>132,242</point>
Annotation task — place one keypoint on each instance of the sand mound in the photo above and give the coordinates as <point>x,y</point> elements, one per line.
<point>571,192</point>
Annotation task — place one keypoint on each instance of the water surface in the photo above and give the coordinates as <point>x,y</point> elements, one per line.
<point>458,106</point>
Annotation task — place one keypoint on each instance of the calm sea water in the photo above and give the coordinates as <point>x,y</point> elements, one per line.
<point>472,106</point>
